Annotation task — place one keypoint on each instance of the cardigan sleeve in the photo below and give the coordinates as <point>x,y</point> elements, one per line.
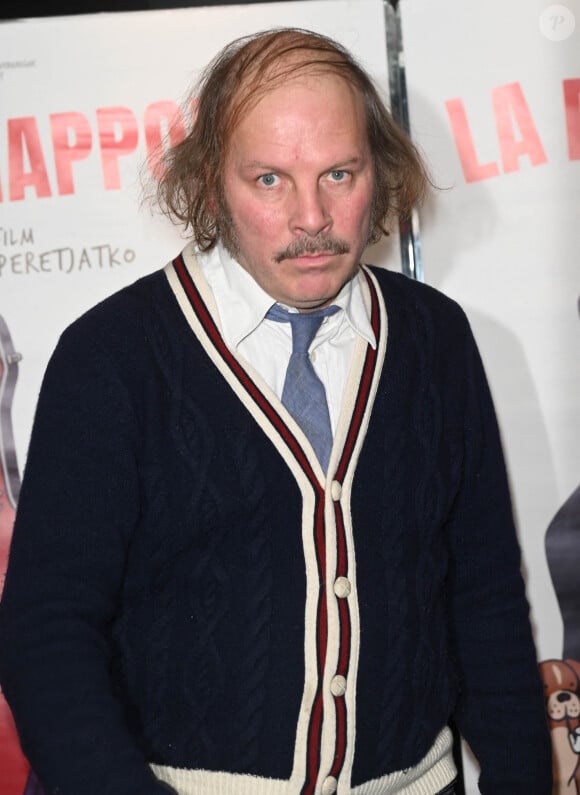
<point>78,505</point>
<point>500,710</point>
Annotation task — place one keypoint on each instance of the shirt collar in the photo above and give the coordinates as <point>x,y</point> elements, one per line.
<point>242,304</point>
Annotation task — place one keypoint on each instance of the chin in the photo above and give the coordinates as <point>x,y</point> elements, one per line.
<point>315,302</point>
<point>323,292</point>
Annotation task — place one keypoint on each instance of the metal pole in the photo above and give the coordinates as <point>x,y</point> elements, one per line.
<point>409,229</point>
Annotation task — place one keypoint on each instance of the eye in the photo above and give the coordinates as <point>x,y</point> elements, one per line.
<point>269,180</point>
<point>338,175</point>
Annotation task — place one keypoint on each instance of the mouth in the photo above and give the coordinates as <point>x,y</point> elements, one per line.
<point>313,261</point>
<point>314,255</point>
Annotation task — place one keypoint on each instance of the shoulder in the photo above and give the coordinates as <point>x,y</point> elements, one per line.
<point>120,339</point>
<point>411,302</point>
<point>121,322</point>
<point>122,309</point>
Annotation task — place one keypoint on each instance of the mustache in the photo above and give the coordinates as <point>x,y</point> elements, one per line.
<point>321,244</point>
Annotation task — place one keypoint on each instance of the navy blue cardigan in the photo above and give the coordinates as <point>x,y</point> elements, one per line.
<point>172,593</point>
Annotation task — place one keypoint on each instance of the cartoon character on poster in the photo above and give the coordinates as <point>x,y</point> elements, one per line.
<point>17,779</point>
<point>562,690</point>
<point>562,677</point>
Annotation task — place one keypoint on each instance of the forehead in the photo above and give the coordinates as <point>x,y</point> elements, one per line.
<point>306,110</point>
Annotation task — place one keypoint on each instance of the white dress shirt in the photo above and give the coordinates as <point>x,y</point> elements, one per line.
<point>267,345</point>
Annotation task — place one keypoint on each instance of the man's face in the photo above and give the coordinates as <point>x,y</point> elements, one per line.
<point>298,190</point>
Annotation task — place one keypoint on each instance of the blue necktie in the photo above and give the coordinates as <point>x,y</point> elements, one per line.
<point>303,394</point>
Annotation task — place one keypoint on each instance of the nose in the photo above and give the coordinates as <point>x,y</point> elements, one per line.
<point>310,214</point>
<point>562,697</point>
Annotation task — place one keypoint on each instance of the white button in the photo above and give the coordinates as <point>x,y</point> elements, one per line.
<point>335,490</point>
<point>342,587</point>
<point>329,786</point>
<point>313,356</point>
<point>338,685</point>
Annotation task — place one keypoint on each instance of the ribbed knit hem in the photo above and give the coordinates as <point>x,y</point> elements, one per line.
<point>209,782</point>
<point>435,771</point>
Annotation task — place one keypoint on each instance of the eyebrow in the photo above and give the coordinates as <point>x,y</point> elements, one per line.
<point>270,168</point>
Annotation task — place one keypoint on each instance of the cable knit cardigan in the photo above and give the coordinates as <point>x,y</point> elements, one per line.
<point>189,599</point>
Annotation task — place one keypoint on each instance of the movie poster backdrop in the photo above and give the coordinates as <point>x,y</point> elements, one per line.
<point>494,97</point>
<point>494,93</point>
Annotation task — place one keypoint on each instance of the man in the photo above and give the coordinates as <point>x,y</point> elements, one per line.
<point>219,584</point>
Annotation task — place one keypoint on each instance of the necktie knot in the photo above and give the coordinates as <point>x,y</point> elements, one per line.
<point>304,325</point>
